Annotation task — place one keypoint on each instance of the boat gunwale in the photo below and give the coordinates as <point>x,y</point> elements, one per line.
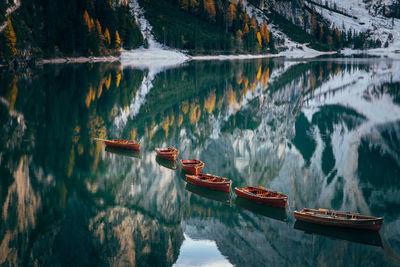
<point>117,141</point>
<point>338,218</point>
<point>263,197</point>
<point>193,165</point>
<point>167,151</point>
<point>227,181</point>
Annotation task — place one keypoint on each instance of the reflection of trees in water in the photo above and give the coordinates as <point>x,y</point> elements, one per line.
<point>123,209</point>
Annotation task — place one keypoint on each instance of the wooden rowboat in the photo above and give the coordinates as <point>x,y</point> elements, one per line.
<point>120,143</point>
<point>210,181</point>
<point>193,166</point>
<point>340,219</point>
<point>169,153</point>
<point>263,196</point>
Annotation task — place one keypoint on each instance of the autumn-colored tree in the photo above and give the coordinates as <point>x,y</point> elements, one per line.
<point>87,19</point>
<point>194,6</point>
<point>259,39</point>
<point>253,23</point>
<point>99,32</point>
<point>117,40</point>
<point>313,22</point>
<point>209,7</point>
<point>239,41</point>
<point>264,32</point>
<point>231,14</point>
<point>107,36</point>
<point>246,29</point>
<point>10,39</point>
<point>91,26</point>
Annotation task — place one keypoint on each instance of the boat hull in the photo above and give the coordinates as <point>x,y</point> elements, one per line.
<point>135,146</point>
<point>194,168</point>
<point>368,225</point>
<point>273,202</point>
<point>221,186</point>
<point>167,155</point>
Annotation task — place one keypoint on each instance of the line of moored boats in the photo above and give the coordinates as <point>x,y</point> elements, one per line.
<point>256,194</point>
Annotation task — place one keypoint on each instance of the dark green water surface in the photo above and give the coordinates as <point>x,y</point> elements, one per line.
<point>324,132</point>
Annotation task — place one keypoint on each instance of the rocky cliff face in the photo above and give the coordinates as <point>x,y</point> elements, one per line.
<point>293,10</point>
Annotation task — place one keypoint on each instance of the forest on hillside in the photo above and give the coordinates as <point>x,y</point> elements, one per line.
<point>207,26</point>
<point>51,28</point>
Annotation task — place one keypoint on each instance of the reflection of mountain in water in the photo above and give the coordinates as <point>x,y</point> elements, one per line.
<point>314,131</point>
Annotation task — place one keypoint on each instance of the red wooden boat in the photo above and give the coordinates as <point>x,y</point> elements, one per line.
<point>124,144</point>
<point>263,196</point>
<point>169,153</point>
<point>340,219</point>
<point>193,166</point>
<point>210,181</point>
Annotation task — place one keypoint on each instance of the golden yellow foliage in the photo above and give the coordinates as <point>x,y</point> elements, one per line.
<point>88,98</point>
<point>165,126</point>
<point>195,113</point>
<point>118,79</point>
<point>86,18</point>
<point>80,149</point>
<point>108,82</point>
<point>107,36</point>
<point>231,14</point>
<point>209,7</point>
<point>117,40</point>
<point>11,39</point>
<point>259,73</point>
<point>180,120</point>
<point>133,134</point>
<point>246,29</point>
<point>209,102</point>
<point>259,38</point>
<point>100,90</point>
<point>264,32</point>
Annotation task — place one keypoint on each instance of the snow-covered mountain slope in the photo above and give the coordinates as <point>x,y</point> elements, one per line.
<point>361,16</point>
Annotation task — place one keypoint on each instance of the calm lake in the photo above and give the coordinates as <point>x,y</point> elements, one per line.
<point>326,132</point>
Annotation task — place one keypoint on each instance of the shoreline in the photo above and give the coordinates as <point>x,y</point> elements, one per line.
<point>172,54</point>
<point>67,60</point>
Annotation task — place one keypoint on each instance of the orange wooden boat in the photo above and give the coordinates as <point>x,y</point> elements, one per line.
<point>124,144</point>
<point>210,181</point>
<point>169,153</point>
<point>193,166</point>
<point>340,219</point>
<point>263,196</point>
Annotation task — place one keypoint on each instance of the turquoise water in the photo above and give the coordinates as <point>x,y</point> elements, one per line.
<point>325,132</point>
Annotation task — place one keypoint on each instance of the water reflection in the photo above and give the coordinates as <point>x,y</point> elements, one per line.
<point>173,165</point>
<point>210,194</point>
<point>369,238</point>
<point>326,133</point>
<point>123,152</point>
<point>274,213</point>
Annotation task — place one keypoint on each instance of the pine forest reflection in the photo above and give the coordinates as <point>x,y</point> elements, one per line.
<point>325,132</point>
